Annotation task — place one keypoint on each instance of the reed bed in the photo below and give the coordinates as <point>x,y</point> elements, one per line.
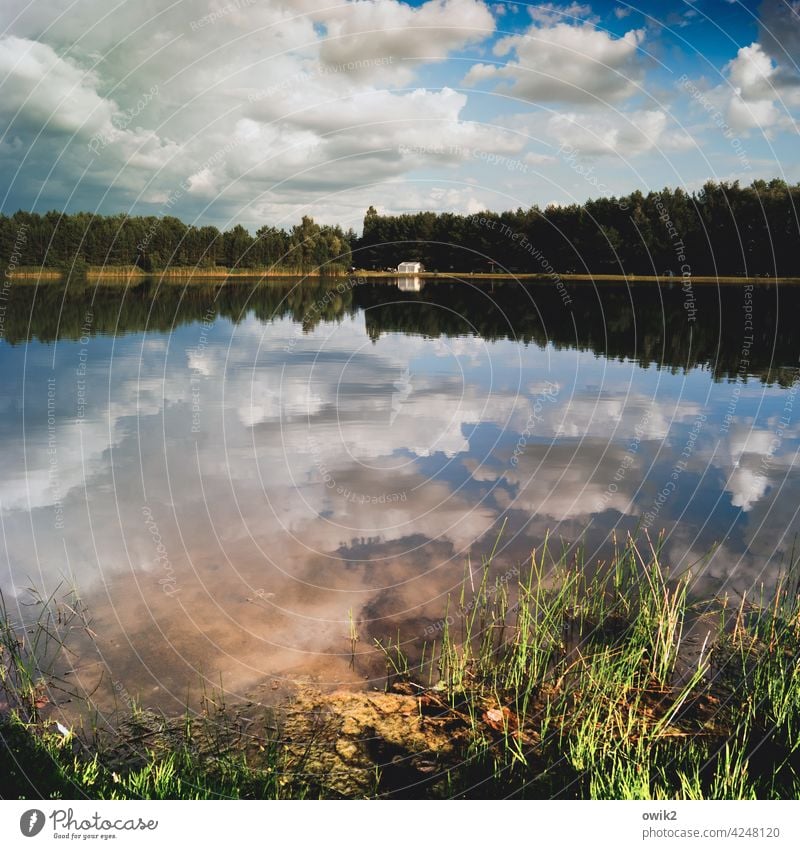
<point>582,683</point>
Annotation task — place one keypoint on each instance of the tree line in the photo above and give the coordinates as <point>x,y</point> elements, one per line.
<point>644,324</point>
<point>152,243</point>
<point>724,229</point>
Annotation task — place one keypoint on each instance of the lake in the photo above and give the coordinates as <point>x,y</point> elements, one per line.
<point>234,476</point>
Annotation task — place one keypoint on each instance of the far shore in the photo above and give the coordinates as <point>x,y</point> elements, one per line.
<point>222,273</point>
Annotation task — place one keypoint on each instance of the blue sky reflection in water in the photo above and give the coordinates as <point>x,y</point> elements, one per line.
<point>225,476</point>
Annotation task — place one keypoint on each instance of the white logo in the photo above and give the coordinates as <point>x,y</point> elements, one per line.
<point>31,822</point>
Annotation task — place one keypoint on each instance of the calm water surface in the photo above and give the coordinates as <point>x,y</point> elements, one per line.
<point>227,474</point>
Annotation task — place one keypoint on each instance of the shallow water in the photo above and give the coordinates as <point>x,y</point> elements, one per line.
<point>227,474</point>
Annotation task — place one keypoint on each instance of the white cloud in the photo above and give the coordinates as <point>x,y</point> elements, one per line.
<point>357,34</point>
<point>759,98</point>
<point>597,133</point>
<point>550,13</point>
<point>746,487</point>
<point>255,112</point>
<point>532,158</point>
<point>563,482</point>
<point>561,62</point>
<point>285,108</point>
<point>39,88</point>
<point>417,126</point>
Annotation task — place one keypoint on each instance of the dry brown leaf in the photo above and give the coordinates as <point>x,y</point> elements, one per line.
<point>500,719</point>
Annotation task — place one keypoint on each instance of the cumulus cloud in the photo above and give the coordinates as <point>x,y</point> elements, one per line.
<point>762,86</point>
<point>747,486</point>
<point>550,13</point>
<point>393,127</point>
<point>359,34</point>
<point>40,88</point>
<point>565,62</point>
<point>564,482</point>
<point>598,133</point>
<point>759,95</point>
<point>746,449</point>
<point>267,111</point>
<point>258,110</point>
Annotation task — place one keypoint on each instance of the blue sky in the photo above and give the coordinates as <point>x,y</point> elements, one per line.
<point>257,111</point>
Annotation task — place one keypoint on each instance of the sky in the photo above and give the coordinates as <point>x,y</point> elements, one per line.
<point>261,111</point>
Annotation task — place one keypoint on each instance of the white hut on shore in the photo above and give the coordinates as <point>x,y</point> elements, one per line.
<point>409,267</point>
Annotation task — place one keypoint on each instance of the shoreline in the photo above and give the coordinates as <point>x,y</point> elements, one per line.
<point>221,273</point>
<point>615,685</point>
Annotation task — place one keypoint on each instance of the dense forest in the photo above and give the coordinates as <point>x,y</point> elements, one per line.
<point>644,324</point>
<point>71,242</point>
<point>724,229</point>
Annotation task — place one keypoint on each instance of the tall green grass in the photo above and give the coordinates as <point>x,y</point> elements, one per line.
<point>570,681</point>
<point>200,756</point>
<point>40,762</point>
<point>29,650</point>
<point>579,683</point>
